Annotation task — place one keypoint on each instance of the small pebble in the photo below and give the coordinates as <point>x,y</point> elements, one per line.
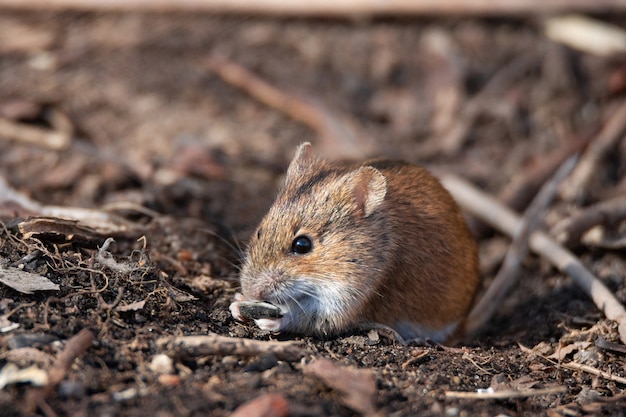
<point>169,380</point>
<point>162,364</point>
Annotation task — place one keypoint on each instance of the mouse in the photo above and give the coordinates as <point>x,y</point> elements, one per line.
<point>343,246</point>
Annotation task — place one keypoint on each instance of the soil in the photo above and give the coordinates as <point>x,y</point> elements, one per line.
<point>151,125</point>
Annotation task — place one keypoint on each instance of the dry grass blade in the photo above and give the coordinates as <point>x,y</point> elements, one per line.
<point>491,211</point>
<point>518,250</point>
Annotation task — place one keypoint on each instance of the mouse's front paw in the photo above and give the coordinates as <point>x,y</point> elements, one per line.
<point>235,310</point>
<point>267,316</point>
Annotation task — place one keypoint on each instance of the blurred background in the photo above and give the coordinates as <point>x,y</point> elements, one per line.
<point>193,109</point>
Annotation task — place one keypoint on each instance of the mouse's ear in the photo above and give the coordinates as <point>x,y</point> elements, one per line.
<point>301,162</point>
<point>369,187</point>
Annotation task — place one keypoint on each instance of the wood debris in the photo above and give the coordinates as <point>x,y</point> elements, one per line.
<point>356,386</point>
<point>25,282</point>
<point>213,344</point>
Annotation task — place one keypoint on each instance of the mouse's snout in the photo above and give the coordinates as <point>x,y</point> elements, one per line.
<point>260,285</point>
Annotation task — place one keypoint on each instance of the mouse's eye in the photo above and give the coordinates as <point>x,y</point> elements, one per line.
<point>301,245</point>
<point>259,233</point>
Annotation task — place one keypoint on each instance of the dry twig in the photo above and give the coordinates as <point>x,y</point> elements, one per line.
<point>606,213</point>
<point>336,8</point>
<point>357,387</point>
<point>506,277</point>
<point>213,344</point>
<point>74,348</point>
<point>341,137</point>
<point>521,189</point>
<point>101,221</point>
<point>606,140</point>
<point>455,136</point>
<point>490,211</point>
<point>594,371</point>
<point>31,135</point>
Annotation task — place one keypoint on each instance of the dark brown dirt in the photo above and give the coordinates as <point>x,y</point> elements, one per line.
<point>152,126</point>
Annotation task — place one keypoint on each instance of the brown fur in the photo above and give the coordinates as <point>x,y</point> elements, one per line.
<point>387,231</point>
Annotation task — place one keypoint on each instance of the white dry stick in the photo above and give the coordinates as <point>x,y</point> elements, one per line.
<point>30,135</point>
<point>495,214</point>
<point>336,8</point>
<point>218,345</point>
<point>518,250</point>
<point>99,220</point>
<point>506,395</point>
<point>586,34</point>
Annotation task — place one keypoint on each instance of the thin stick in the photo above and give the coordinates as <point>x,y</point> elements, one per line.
<point>213,344</point>
<point>340,136</point>
<point>99,220</point>
<point>74,348</point>
<point>506,277</point>
<point>491,211</point>
<point>453,139</point>
<point>606,140</point>
<point>31,135</point>
<point>595,371</point>
<point>507,394</point>
<point>520,191</point>
<point>605,213</point>
<point>336,8</point>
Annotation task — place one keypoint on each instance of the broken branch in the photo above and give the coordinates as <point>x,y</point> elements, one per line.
<point>213,344</point>
<point>491,211</point>
<point>518,250</point>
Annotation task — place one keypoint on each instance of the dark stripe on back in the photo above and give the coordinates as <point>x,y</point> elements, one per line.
<point>311,182</point>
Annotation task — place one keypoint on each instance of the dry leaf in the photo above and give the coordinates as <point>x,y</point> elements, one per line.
<point>26,282</point>
<point>560,353</point>
<point>357,386</point>
<point>267,405</point>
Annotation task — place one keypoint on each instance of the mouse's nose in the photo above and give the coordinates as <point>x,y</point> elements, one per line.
<point>263,284</point>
